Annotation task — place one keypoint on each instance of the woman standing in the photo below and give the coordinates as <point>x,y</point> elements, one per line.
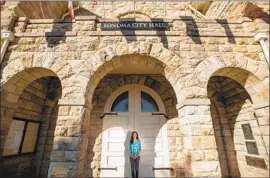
<point>134,151</point>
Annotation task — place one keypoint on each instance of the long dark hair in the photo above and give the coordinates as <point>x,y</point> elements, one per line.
<point>131,138</point>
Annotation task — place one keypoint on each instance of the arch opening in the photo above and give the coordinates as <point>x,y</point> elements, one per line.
<point>139,70</point>
<point>233,120</point>
<point>29,105</point>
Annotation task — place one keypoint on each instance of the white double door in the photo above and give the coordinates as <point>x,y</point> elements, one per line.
<point>117,130</point>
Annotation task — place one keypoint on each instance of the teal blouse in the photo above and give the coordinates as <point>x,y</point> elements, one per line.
<point>135,147</point>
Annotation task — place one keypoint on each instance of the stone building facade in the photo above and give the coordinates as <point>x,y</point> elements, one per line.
<point>211,75</point>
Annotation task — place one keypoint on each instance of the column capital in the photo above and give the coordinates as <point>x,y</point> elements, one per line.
<point>193,102</point>
<point>8,35</point>
<point>23,19</point>
<point>260,36</point>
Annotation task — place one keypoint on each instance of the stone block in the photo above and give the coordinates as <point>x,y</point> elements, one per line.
<point>170,126</point>
<point>197,47</point>
<point>63,169</point>
<point>203,110</point>
<point>240,48</point>
<point>74,131</point>
<point>254,48</point>
<point>204,166</point>
<point>76,111</point>
<point>171,141</point>
<point>203,142</point>
<point>197,155</point>
<point>211,48</point>
<point>207,130</point>
<point>265,130</point>
<point>266,141</point>
<point>260,112</point>
<point>68,156</point>
<point>211,155</point>
<point>66,143</point>
<point>12,98</point>
<point>63,110</point>
<point>185,47</point>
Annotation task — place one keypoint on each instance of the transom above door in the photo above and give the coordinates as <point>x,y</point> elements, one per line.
<point>134,107</point>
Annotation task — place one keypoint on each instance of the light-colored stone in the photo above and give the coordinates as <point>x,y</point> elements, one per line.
<point>211,76</point>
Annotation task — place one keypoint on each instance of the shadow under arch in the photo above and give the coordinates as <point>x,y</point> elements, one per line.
<point>231,107</point>
<point>248,81</point>
<point>35,92</point>
<point>106,60</point>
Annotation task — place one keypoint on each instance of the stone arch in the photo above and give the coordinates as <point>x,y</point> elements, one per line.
<point>112,57</point>
<point>109,58</point>
<point>20,71</point>
<point>251,74</point>
<point>38,65</point>
<point>12,88</point>
<point>111,82</point>
<point>17,63</point>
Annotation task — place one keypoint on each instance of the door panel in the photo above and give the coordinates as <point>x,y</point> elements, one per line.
<point>116,134</point>
<point>149,126</point>
<point>118,120</point>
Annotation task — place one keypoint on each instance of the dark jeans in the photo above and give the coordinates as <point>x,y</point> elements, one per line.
<point>135,167</point>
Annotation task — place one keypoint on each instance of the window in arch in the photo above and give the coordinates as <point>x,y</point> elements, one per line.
<point>148,104</point>
<point>22,137</point>
<point>120,104</point>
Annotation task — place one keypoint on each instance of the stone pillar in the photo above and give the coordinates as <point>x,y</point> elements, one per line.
<point>68,156</point>
<point>261,37</point>
<point>6,119</point>
<point>7,36</point>
<point>199,144</point>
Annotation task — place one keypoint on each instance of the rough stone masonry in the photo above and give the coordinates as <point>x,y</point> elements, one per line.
<point>211,75</point>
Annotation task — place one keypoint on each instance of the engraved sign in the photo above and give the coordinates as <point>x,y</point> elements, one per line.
<point>252,148</point>
<point>256,162</point>
<point>128,25</point>
<point>247,131</point>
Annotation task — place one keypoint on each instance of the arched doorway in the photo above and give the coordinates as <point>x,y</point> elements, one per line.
<point>115,73</point>
<point>237,128</point>
<point>28,122</point>
<point>134,107</point>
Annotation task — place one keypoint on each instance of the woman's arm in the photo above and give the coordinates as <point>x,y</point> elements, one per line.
<point>139,154</point>
<point>140,148</point>
<point>129,150</point>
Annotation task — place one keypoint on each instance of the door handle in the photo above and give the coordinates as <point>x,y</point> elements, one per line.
<point>162,168</point>
<point>160,114</point>
<point>108,113</point>
<point>107,168</point>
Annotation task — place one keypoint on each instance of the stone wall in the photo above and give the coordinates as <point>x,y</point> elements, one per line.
<point>235,10</point>
<point>200,154</point>
<point>188,54</point>
<point>150,9</point>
